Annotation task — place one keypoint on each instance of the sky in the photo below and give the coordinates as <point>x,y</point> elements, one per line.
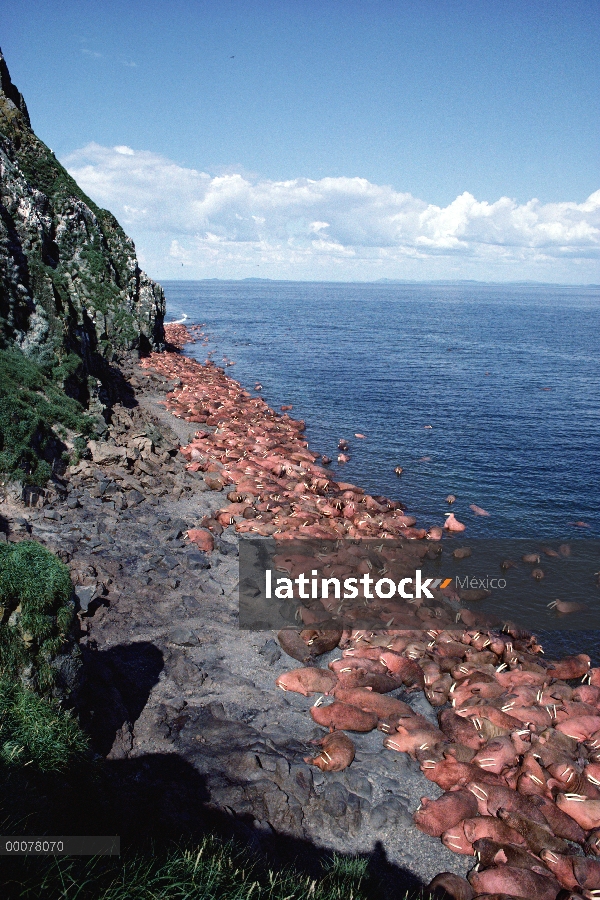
<point>327,139</point>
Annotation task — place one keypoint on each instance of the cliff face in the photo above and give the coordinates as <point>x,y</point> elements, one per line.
<point>70,282</point>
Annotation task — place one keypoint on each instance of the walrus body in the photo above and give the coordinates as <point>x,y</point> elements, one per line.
<point>437,816</point>
<point>343,717</point>
<point>447,884</point>
<point>370,701</point>
<point>307,681</point>
<point>337,753</point>
<point>515,882</point>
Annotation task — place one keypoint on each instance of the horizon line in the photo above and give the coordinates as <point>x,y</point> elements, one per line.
<point>383,281</point>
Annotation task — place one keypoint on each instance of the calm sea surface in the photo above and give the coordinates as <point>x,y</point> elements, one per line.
<point>507,378</point>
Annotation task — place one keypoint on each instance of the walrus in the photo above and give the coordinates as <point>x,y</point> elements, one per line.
<point>587,693</point>
<point>493,797</point>
<point>585,811</point>
<point>561,867</point>
<point>450,772</point>
<point>497,755</point>
<point>407,671</point>
<point>501,720</point>
<point>436,816</point>
<point>592,845</point>
<point>307,681</point>
<point>370,701</point>
<point>460,729</point>
<point>321,641</point>
<point>566,778</point>
<point>337,753</point>
<point>452,523</point>
<point>437,693</point>
<point>405,741</point>
<point>360,678</point>
<point>292,644</point>
<point>494,853</point>
<point>455,839</point>
<point>343,717</point>
<point>448,886</point>
<point>462,553</point>
<point>573,872</point>
<point>580,728</point>
<point>348,664</point>
<point>569,667</point>
<point>493,828</point>
<point>536,835</point>
<point>515,882</point>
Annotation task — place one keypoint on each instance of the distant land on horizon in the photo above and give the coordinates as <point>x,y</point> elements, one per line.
<point>439,281</point>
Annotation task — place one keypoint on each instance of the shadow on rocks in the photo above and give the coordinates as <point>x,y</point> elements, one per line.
<point>116,684</point>
<point>157,801</point>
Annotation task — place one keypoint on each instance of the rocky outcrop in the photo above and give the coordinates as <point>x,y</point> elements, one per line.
<point>71,289</point>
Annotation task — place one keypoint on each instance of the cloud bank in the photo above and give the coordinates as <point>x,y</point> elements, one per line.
<point>188,223</point>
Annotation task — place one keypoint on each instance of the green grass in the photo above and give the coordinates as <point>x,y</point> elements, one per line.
<point>35,731</point>
<point>32,405</point>
<point>213,871</point>
<point>36,588</point>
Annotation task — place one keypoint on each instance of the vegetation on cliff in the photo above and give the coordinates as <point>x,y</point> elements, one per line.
<point>69,277</point>
<point>34,413</point>
<point>72,295</point>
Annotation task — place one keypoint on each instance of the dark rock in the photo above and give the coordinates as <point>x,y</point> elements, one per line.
<point>335,799</point>
<point>270,651</point>
<point>390,813</point>
<point>195,560</point>
<point>185,637</point>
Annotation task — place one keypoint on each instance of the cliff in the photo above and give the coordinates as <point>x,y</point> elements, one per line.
<point>71,289</point>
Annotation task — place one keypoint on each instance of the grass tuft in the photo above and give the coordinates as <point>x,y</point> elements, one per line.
<point>35,731</point>
<point>215,870</point>
<point>37,611</point>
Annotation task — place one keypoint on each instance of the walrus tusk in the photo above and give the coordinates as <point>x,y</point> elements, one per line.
<point>479,793</point>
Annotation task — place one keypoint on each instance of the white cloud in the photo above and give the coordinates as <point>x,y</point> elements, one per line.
<point>333,227</point>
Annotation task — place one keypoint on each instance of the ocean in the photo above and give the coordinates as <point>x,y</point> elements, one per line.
<point>487,392</point>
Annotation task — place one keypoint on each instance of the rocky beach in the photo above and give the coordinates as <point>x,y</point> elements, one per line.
<point>477,721</point>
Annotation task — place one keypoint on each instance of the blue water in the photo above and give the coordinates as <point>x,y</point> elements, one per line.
<point>508,378</point>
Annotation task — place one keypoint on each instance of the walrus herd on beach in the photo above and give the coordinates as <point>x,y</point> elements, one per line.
<point>516,748</point>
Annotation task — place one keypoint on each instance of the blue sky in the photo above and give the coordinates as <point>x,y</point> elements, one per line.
<point>352,106</point>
